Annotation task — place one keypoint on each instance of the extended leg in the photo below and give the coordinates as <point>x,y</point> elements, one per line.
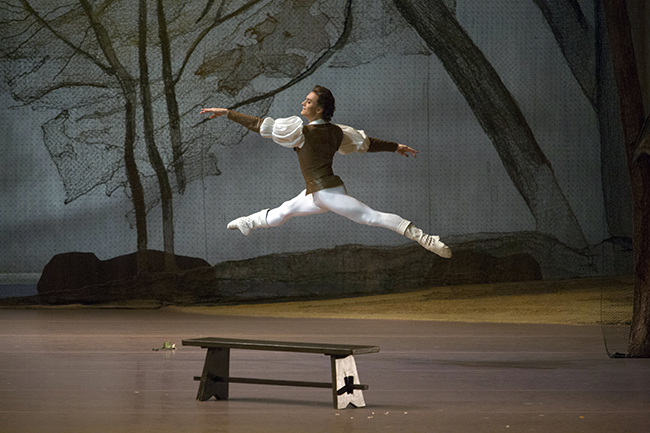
<point>337,200</point>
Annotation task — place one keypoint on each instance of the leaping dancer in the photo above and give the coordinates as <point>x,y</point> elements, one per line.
<point>316,144</point>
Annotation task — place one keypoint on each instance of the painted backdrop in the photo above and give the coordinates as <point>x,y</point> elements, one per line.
<point>510,103</point>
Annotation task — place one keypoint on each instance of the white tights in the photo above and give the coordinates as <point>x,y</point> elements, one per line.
<point>336,200</point>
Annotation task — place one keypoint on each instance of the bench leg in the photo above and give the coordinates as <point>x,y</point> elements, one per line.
<point>216,372</point>
<point>344,375</point>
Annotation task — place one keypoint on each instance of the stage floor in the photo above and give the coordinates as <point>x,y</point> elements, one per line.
<point>94,370</point>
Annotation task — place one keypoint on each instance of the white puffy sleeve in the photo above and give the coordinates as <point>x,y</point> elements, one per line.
<point>286,132</point>
<point>354,140</point>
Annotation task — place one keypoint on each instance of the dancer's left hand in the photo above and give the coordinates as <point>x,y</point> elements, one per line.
<point>403,149</point>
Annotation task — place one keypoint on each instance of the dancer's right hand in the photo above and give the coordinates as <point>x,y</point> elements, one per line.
<point>404,150</point>
<point>216,112</point>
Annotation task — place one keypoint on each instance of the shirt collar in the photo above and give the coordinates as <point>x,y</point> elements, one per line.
<point>320,121</point>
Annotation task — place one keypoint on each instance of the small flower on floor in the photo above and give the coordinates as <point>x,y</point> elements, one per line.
<point>167,345</point>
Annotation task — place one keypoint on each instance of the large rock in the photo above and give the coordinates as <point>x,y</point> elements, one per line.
<point>355,270</point>
<point>344,271</point>
<point>75,270</point>
<point>70,271</point>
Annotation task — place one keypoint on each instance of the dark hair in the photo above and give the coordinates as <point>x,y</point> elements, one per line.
<point>325,101</point>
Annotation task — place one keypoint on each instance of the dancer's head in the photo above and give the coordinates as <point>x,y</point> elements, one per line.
<point>319,104</point>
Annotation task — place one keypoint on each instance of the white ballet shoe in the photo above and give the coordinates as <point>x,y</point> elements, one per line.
<point>247,223</point>
<point>431,243</point>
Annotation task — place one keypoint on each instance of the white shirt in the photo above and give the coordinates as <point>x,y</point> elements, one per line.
<point>287,132</point>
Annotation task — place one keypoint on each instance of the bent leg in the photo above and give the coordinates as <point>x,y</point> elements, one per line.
<point>301,205</point>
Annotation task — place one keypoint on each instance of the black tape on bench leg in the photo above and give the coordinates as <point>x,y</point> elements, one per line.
<point>344,379</point>
<point>216,372</point>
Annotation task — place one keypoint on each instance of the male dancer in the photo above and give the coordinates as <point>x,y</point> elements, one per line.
<point>316,144</point>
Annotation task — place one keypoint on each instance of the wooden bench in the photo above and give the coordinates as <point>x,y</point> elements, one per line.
<point>345,385</point>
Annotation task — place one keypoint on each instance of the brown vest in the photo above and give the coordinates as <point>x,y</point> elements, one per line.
<point>316,156</point>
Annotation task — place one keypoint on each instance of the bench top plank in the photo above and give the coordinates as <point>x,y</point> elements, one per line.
<point>280,346</point>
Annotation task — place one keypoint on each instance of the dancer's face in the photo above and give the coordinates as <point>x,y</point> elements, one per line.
<point>310,108</point>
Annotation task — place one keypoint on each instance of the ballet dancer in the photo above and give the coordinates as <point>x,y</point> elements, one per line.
<point>315,145</point>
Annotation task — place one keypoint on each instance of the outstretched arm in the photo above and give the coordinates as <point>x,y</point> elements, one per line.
<point>377,145</point>
<point>356,140</point>
<point>251,122</point>
<point>285,132</point>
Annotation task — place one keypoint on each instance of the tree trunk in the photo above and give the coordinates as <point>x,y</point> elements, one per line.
<point>499,115</point>
<point>170,97</point>
<point>166,197</point>
<point>617,191</point>
<point>632,114</point>
<point>586,51</point>
<point>128,88</point>
<point>575,37</point>
<point>132,175</point>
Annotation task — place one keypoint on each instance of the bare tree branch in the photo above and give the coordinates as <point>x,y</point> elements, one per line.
<point>576,39</point>
<point>64,85</point>
<point>9,21</point>
<point>347,27</point>
<point>207,8</point>
<point>73,54</point>
<point>217,21</point>
<point>105,43</point>
<point>47,25</point>
<point>15,50</point>
<point>102,8</point>
<point>9,6</point>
